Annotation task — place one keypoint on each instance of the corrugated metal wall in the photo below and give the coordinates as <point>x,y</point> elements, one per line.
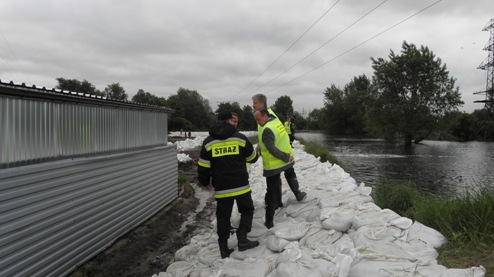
<point>56,215</point>
<point>77,171</point>
<point>34,131</point>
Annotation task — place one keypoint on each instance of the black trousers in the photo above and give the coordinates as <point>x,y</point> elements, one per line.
<point>273,183</point>
<point>224,209</point>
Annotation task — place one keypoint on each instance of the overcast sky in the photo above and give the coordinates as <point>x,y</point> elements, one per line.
<point>228,50</point>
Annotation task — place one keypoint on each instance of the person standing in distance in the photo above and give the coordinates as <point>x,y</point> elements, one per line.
<point>221,167</point>
<point>290,130</point>
<point>259,101</point>
<point>277,157</point>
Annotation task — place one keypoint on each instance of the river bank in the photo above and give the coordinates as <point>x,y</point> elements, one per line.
<point>333,197</point>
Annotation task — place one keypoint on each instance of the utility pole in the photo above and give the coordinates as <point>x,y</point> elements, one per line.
<point>488,65</point>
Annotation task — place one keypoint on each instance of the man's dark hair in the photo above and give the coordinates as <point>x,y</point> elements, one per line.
<point>264,111</point>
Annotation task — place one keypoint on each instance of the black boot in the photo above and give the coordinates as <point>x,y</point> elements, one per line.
<point>293,183</point>
<point>224,250</point>
<point>244,243</point>
<point>270,210</point>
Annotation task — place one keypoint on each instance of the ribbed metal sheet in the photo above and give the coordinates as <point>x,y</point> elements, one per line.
<point>57,215</point>
<point>34,131</point>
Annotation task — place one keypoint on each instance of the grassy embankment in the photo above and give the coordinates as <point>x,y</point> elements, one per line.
<point>466,222</point>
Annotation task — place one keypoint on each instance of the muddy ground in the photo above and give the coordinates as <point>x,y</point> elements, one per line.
<point>149,248</point>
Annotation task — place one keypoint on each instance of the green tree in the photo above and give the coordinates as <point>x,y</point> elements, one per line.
<point>229,106</point>
<point>190,105</point>
<point>356,99</point>
<point>462,126</point>
<point>248,123</point>
<point>299,121</point>
<point>115,91</point>
<point>147,98</point>
<point>315,119</point>
<point>412,90</point>
<point>484,127</point>
<point>283,107</point>
<point>335,117</point>
<point>77,86</point>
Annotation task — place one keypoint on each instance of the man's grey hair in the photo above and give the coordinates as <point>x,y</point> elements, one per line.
<point>261,98</point>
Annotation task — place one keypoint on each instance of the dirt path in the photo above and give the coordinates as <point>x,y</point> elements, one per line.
<point>149,248</point>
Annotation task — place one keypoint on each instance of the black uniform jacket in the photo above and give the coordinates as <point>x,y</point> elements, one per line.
<point>223,161</point>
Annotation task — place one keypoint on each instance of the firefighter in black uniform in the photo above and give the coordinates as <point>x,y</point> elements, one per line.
<point>222,166</point>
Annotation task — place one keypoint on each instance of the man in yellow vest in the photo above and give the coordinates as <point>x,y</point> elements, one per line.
<point>222,160</point>
<point>259,101</point>
<point>289,129</point>
<point>277,156</point>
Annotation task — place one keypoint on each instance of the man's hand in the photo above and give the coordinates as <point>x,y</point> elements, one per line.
<point>291,159</point>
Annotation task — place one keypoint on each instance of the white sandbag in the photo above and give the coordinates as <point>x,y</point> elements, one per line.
<point>181,268</point>
<point>163,274</point>
<point>205,272</point>
<point>373,233</point>
<point>384,250</point>
<point>187,252</point>
<point>297,270</point>
<point>337,223</point>
<point>336,199</point>
<point>297,263</point>
<point>291,230</point>
<point>401,222</point>
<point>379,268</point>
<point>257,230</point>
<point>209,255</point>
<point>291,254</point>
<point>420,232</point>
<point>425,254</point>
<point>320,239</point>
<point>382,217</point>
<point>253,253</point>
<point>204,238</point>
<point>348,184</point>
<point>362,189</point>
<point>343,263</point>
<point>247,268</point>
<point>341,218</point>
<point>306,210</point>
<point>276,244</point>
<point>340,246</point>
<point>464,272</point>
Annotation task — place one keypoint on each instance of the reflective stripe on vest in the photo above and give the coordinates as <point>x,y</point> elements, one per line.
<point>282,142</point>
<point>232,192</point>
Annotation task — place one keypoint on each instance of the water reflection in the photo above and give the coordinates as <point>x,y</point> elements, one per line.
<point>435,166</point>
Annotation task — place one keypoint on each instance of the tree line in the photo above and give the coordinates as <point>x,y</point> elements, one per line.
<point>409,98</point>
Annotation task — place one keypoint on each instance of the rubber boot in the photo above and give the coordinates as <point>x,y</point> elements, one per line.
<point>293,183</point>
<point>224,250</point>
<point>244,243</point>
<point>270,210</point>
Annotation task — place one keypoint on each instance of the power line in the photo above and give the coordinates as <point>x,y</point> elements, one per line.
<point>13,54</point>
<point>324,44</point>
<point>313,24</point>
<point>358,45</point>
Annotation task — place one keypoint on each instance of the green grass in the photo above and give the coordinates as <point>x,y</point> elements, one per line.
<point>467,222</point>
<point>318,150</point>
<point>313,148</point>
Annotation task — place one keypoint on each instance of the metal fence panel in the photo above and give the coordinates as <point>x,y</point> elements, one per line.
<point>34,131</point>
<point>56,215</point>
